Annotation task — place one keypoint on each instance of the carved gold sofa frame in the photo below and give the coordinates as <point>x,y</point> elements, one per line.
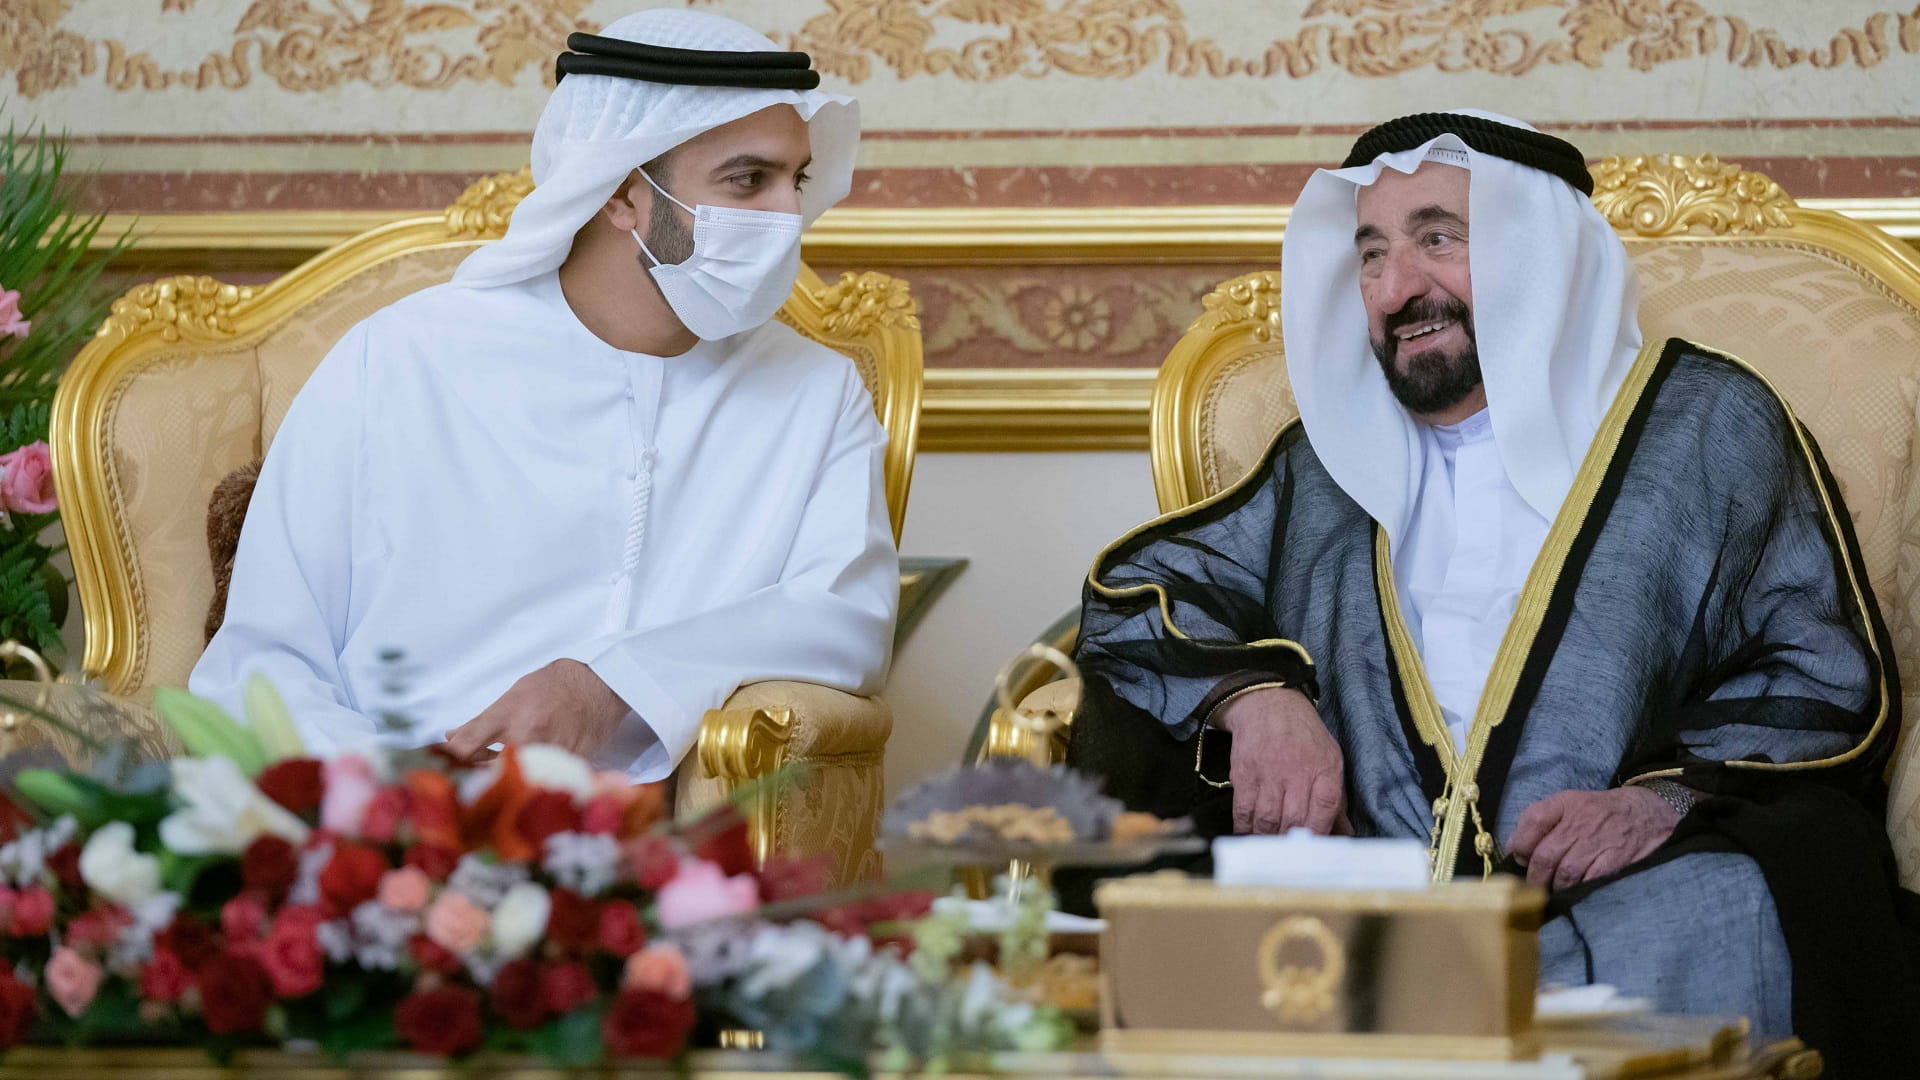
<point>1826,307</point>
<point>189,379</point>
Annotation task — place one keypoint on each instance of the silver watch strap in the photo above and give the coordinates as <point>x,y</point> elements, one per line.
<point>1675,794</point>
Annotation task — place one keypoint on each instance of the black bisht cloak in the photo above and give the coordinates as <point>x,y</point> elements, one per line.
<point>1698,610</point>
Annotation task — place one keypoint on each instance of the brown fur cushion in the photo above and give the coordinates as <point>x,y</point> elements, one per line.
<point>226,511</point>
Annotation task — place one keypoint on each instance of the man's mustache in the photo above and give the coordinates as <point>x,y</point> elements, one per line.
<point>1429,309</point>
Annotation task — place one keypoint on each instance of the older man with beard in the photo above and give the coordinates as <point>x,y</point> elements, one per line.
<point>1554,599</point>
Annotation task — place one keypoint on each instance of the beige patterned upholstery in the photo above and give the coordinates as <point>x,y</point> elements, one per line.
<point>190,380</point>
<point>1825,308</point>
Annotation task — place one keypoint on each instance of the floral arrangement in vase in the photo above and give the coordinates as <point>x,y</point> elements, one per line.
<point>250,894</point>
<point>50,305</point>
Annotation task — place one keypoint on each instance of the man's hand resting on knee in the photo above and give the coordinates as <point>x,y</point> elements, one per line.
<point>1287,771</point>
<point>564,704</point>
<point>1576,836</point>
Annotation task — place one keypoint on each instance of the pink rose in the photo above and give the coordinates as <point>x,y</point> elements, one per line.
<point>26,484</point>
<point>701,891</point>
<point>350,786</point>
<point>72,980</point>
<point>405,889</point>
<point>454,923</point>
<point>11,324</point>
<point>661,969</point>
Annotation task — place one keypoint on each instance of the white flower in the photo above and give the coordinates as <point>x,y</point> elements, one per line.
<point>587,863</point>
<point>24,861</point>
<point>306,883</point>
<point>111,867</point>
<point>520,920</point>
<point>782,954</point>
<point>222,811</point>
<point>485,882</point>
<point>336,940</point>
<point>380,935</point>
<point>547,766</point>
<point>541,764</point>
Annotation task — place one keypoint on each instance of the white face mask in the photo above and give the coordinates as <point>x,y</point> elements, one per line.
<point>742,269</point>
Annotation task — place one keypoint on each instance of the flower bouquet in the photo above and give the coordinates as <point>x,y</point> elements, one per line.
<point>249,894</point>
<point>50,303</point>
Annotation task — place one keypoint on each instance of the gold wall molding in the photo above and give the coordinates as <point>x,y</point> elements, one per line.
<point>964,409</point>
<point>945,236</point>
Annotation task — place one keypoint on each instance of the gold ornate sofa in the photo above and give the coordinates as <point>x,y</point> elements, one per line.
<point>1825,307</point>
<point>189,379</point>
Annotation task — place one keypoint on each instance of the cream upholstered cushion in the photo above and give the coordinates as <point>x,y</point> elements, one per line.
<point>1841,346</point>
<point>185,421</point>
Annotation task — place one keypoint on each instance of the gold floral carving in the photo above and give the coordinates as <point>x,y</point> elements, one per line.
<point>1077,318</point>
<point>857,303</point>
<point>303,46</point>
<point>1250,300</point>
<point>481,212</point>
<point>191,306</point>
<point>1119,38</point>
<point>439,44</point>
<point>1669,195</point>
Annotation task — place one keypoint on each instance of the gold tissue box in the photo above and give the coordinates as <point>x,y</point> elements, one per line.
<point>1188,966</point>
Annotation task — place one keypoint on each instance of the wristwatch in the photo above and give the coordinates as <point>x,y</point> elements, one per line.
<point>1675,794</point>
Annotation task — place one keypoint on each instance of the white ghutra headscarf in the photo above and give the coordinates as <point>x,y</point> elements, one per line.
<point>596,129</point>
<point>1555,315</point>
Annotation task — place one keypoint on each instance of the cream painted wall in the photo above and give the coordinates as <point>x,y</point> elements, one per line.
<point>1030,525</point>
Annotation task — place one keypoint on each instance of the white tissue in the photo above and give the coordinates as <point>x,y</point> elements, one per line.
<point>1301,859</point>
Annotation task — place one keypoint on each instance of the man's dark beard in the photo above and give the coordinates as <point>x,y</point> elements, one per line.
<point>668,239</point>
<point>1433,380</point>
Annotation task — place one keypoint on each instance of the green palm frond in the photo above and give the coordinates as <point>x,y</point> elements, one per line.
<point>45,254</point>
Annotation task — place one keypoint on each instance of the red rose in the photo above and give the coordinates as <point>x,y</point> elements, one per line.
<point>436,809</point>
<point>389,807</point>
<point>573,922</point>
<point>520,995</point>
<point>292,958</point>
<point>432,955</point>
<point>32,912</point>
<point>163,978</point>
<point>547,813</point>
<point>621,931</point>
<point>653,860</point>
<point>295,784</point>
<point>12,820</point>
<point>192,942</point>
<point>352,877</point>
<point>97,926</point>
<point>646,1023</point>
<point>65,864</point>
<point>784,878</point>
<point>233,994</point>
<point>568,986</point>
<point>17,1008</point>
<point>299,918</point>
<point>729,848</point>
<point>602,815</point>
<point>270,864</point>
<point>442,1021</point>
<point>854,919</point>
<point>243,919</point>
<point>432,860</point>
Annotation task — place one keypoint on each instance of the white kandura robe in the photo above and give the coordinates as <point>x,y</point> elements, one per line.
<point>472,477</point>
<point>1470,544</point>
